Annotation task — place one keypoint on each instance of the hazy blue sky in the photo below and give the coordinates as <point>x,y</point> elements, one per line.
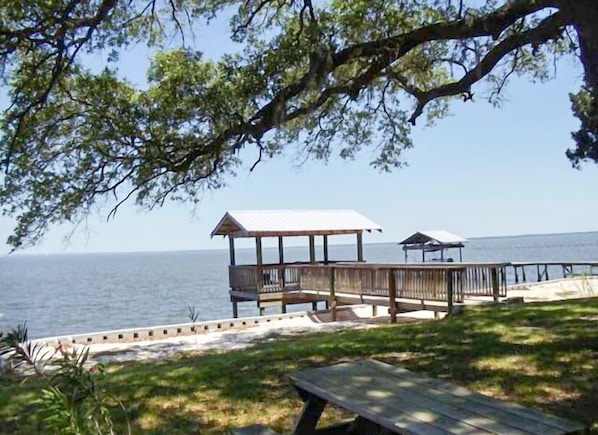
<point>481,172</point>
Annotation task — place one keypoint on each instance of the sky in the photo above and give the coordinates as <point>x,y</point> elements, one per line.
<point>483,171</point>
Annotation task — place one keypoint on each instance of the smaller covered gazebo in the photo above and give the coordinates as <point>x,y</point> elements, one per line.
<point>434,241</point>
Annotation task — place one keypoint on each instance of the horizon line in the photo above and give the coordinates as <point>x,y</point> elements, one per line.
<point>17,253</point>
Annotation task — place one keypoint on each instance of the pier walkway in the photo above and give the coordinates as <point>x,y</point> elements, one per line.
<point>438,287</point>
<point>406,287</point>
<point>568,268</point>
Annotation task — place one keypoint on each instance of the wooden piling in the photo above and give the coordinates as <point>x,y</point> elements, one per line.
<point>332,293</point>
<point>449,291</point>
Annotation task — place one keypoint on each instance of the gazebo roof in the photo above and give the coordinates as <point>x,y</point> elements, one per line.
<point>272,223</point>
<point>432,239</point>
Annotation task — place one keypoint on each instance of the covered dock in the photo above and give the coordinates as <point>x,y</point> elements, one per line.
<point>434,241</point>
<point>438,287</point>
<point>271,284</point>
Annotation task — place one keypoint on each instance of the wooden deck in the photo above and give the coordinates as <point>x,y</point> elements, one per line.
<point>400,287</point>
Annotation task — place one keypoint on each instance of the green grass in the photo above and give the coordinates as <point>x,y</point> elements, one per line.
<point>540,355</point>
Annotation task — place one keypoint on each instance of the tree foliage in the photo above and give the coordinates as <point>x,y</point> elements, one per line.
<point>330,77</point>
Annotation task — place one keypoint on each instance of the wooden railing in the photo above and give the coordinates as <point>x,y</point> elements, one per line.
<point>437,282</point>
<point>277,278</point>
<point>485,280</point>
<point>425,284</point>
<point>243,278</point>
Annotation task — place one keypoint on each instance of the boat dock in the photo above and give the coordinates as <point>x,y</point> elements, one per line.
<point>437,286</point>
<point>568,268</point>
<point>401,288</point>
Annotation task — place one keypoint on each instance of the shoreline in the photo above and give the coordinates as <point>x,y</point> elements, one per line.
<point>224,334</point>
<point>164,341</point>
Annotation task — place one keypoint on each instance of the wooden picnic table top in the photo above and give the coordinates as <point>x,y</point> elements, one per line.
<point>402,401</point>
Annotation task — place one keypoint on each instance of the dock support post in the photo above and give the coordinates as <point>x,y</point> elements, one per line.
<point>262,311</point>
<point>235,309</point>
<point>449,293</point>
<point>231,249</point>
<point>359,247</point>
<point>374,310</point>
<point>283,308</point>
<point>495,285</point>
<point>332,293</point>
<point>392,295</point>
<point>258,251</point>
<point>314,306</point>
<point>523,273</point>
<point>280,250</point>
<point>516,275</point>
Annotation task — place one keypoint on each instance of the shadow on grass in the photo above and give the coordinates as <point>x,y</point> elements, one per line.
<point>540,355</point>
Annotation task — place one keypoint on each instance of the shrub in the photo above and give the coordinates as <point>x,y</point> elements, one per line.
<point>71,399</point>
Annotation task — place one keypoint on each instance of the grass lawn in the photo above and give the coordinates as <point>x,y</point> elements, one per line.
<point>540,355</point>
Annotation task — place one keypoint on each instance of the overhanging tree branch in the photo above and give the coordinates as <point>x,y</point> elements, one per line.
<point>549,28</point>
<point>383,53</point>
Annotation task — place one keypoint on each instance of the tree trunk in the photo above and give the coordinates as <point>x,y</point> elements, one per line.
<point>584,16</point>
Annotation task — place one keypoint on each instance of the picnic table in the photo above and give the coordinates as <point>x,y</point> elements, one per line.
<point>389,399</point>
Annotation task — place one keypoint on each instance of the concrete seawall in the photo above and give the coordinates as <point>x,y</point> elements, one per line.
<point>166,331</point>
<point>533,292</point>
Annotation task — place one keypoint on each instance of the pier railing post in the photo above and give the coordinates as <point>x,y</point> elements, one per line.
<point>461,275</point>
<point>332,293</point>
<point>495,285</point>
<point>392,296</point>
<point>259,278</point>
<point>282,278</point>
<point>449,290</point>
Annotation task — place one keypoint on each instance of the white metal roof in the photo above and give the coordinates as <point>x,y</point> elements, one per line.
<point>251,223</point>
<point>438,237</point>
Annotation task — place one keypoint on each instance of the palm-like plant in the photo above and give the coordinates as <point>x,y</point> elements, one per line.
<point>71,400</point>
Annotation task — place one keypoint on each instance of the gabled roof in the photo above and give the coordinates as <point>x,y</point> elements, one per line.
<point>264,223</point>
<point>434,238</point>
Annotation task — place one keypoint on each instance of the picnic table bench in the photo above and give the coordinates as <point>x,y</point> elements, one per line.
<point>389,399</point>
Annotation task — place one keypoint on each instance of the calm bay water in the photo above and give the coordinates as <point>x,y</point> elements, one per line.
<point>75,293</point>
